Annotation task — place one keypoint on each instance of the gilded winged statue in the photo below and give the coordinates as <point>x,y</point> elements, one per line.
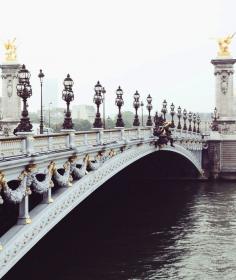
<point>10,48</point>
<point>223,44</point>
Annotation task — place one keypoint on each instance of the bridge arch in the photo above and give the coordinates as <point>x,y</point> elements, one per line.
<point>49,215</point>
<point>193,157</point>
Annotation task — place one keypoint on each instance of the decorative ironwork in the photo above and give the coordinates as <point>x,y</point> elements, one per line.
<point>185,118</point>
<point>119,103</point>
<point>136,105</point>
<point>190,114</point>
<point>198,123</point>
<point>97,99</point>
<point>68,96</point>
<point>179,115</point>
<point>164,109</point>
<point>41,76</point>
<point>149,108</point>
<point>172,113</point>
<point>141,104</point>
<point>104,114</point>
<point>194,122</point>
<point>24,91</point>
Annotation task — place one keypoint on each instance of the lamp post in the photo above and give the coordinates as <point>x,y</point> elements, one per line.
<point>164,109</point>
<point>119,103</point>
<point>185,118</point>
<point>215,117</point>
<point>68,96</point>
<point>198,123</point>
<point>190,114</point>
<point>97,99</point>
<point>41,76</point>
<point>179,115</point>
<point>136,105</point>
<point>149,108</point>
<point>24,91</point>
<point>172,112</point>
<point>142,104</point>
<point>104,114</point>
<point>194,122</point>
<point>49,115</point>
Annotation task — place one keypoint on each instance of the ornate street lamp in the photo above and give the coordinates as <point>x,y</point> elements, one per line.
<point>119,104</point>
<point>142,104</point>
<point>24,91</point>
<point>172,112</point>
<point>185,118</point>
<point>198,123</point>
<point>149,108</point>
<point>190,114</point>
<point>215,117</point>
<point>136,105</point>
<point>194,122</point>
<point>179,115</point>
<point>41,76</point>
<point>68,96</point>
<point>104,114</point>
<point>97,99</point>
<point>164,109</point>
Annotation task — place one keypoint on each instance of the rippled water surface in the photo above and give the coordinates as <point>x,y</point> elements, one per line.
<point>142,230</point>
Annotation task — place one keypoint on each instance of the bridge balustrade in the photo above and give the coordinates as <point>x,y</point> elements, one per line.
<point>80,138</point>
<point>112,135</point>
<point>42,143</point>
<point>17,146</point>
<point>12,146</point>
<point>132,133</point>
<point>92,138</point>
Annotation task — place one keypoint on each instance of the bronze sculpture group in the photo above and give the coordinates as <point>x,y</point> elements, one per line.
<point>162,131</point>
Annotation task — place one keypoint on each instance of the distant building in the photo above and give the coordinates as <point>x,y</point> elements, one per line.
<point>84,112</point>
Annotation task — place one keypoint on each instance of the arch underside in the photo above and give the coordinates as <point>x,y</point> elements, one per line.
<point>178,149</point>
<point>16,245</point>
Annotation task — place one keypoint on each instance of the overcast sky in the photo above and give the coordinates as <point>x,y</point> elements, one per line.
<point>157,47</point>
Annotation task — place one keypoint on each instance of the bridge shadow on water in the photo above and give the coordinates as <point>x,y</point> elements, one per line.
<point>122,230</point>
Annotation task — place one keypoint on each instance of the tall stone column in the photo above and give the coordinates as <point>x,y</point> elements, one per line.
<point>225,100</point>
<point>11,103</point>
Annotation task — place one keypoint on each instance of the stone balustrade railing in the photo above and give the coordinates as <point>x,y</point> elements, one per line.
<point>12,147</point>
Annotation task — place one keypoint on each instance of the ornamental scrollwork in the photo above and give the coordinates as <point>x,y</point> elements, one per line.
<point>41,182</point>
<point>78,171</point>
<point>17,195</point>
<point>224,82</point>
<point>64,180</point>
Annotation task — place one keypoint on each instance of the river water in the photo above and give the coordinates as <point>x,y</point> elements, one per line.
<point>141,229</point>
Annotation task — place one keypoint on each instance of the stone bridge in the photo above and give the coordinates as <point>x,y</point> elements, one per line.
<point>76,164</point>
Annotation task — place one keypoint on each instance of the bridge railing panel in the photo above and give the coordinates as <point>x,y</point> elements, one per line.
<point>115,135</point>
<point>92,137</point>
<point>131,133</point>
<point>41,144</point>
<point>59,141</point>
<point>146,132</point>
<point>12,146</point>
<point>106,136</point>
<point>80,138</point>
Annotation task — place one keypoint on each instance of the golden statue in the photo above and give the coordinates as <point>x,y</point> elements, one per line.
<point>224,45</point>
<point>10,50</point>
